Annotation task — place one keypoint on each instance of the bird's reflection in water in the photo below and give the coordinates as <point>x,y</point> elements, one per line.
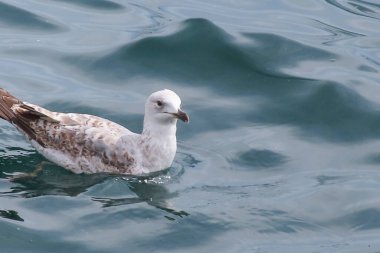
<point>153,194</point>
<point>53,180</point>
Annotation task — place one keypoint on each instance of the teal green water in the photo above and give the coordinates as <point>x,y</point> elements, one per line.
<point>282,153</point>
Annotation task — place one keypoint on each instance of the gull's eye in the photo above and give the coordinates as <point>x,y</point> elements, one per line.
<point>159,103</point>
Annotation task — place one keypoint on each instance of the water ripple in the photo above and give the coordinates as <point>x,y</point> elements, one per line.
<point>358,7</point>
<point>95,4</point>
<point>20,18</point>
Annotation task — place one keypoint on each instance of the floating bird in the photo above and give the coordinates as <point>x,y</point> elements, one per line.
<point>85,143</point>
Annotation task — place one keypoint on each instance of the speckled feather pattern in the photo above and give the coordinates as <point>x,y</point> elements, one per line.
<point>89,144</point>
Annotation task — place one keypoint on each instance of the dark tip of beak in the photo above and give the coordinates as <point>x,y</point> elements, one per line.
<point>182,116</point>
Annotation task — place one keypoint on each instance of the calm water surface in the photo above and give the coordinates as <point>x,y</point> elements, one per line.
<point>282,153</point>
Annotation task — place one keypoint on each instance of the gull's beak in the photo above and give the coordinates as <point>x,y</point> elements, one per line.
<point>182,116</point>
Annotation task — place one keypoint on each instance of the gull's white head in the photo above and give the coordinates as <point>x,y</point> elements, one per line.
<point>164,107</point>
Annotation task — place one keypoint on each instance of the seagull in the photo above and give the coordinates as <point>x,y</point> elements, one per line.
<point>84,143</point>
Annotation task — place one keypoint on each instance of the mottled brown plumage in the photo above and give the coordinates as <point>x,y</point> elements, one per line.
<point>21,115</point>
<point>90,144</point>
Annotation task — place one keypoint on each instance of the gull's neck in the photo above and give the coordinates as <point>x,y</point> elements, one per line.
<point>159,145</point>
<point>159,130</point>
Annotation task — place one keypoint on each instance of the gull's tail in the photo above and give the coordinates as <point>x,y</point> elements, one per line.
<point>20,115</point>
<point>6,103</point>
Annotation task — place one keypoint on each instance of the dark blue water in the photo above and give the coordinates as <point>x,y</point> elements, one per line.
<point>282,153</point>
